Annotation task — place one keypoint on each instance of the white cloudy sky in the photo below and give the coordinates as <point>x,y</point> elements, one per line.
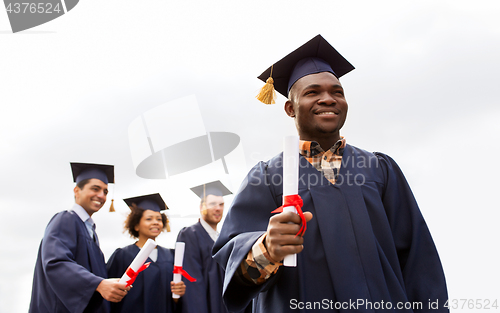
<point>425,91</point>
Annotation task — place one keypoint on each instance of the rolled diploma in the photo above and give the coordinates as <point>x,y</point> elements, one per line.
<point>290,181</point>
<point>178,259</point>
<point>140,258</point>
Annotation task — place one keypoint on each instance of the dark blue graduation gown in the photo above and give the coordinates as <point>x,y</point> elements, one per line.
<point>69,267</point>
<point>366,242</point>
<point>204,295</point>
<point>151,290</point>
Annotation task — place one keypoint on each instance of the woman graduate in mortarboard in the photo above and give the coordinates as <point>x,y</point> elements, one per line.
<point>152,289</point>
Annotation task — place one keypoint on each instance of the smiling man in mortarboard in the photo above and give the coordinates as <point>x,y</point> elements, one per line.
<point>204,295</point>
<point>367,247</point>
<point>70,271</point>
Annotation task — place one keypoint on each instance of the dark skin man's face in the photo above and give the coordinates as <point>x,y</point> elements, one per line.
<point>319,108</point>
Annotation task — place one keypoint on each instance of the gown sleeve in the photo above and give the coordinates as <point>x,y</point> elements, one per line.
<point>116,265</point>
<point>419,260</point>
<point>72,283</point>
<point>246,221</point>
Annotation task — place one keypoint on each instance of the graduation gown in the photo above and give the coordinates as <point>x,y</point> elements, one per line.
<point>204,295</point>
<point>68,269</point>
<point>151,290</point>
<point>367,242</point>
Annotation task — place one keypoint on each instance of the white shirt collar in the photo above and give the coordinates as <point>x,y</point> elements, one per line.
<point>211,232</point>
<point>80,211</point>
<point>85,217</point>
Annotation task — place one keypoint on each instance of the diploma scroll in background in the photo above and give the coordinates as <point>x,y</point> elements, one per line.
<point>139,259</point>
<point>178,260</point>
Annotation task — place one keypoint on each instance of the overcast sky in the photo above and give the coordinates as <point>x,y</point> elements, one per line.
<point>424,91</point>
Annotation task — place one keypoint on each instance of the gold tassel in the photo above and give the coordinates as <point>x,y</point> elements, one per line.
<point>204,209</point>
<point>112,207</point>
<point>168,221</point>
<point>267,94</point>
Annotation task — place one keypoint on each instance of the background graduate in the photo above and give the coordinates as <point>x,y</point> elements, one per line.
<point>70,272</point>
<point>153,287</point>
<point>204,295</point>
<point>366,241</point>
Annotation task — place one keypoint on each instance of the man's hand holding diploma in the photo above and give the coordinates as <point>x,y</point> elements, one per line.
<point>281,239</point>
<point>112,290</point>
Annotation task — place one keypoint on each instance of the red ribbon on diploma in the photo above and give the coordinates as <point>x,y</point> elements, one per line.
<point>133,275</point>
<point>179,270</point>
<point>296,201</point>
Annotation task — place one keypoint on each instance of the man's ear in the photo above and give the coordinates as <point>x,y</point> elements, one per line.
<point>76,190</point>
<point>289,109</point>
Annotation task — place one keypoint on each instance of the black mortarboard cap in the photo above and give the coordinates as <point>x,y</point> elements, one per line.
<point>315,56</point>
<point>153,202</point>
<point>215,188</point>
<point>82,171</point>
